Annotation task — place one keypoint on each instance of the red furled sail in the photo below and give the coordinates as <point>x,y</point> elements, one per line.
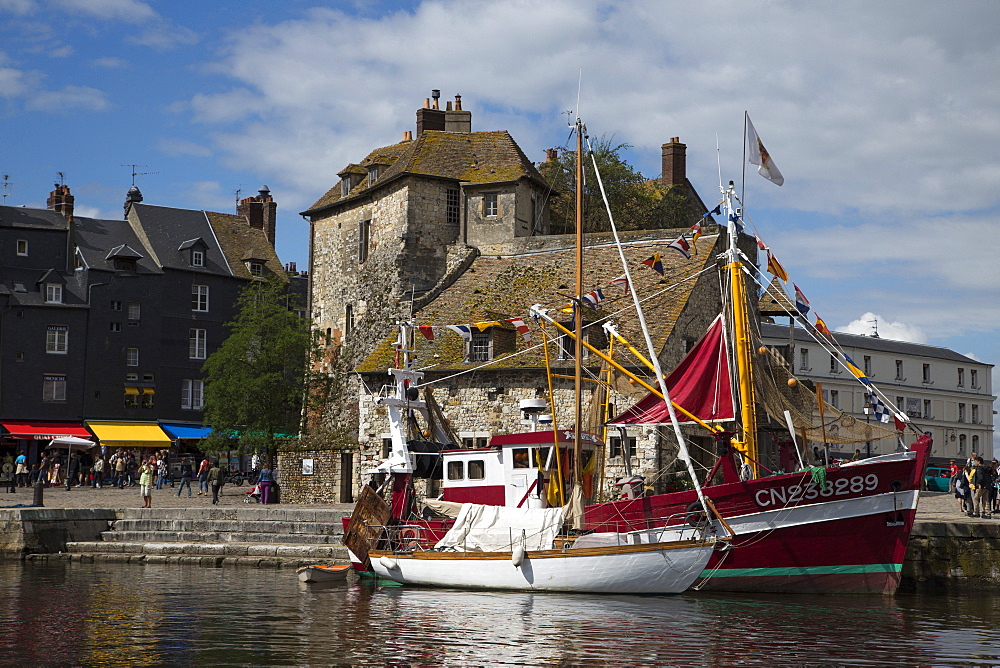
<point>700,384</point>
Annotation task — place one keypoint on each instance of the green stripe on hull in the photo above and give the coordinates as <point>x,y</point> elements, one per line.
<point>801,570</point>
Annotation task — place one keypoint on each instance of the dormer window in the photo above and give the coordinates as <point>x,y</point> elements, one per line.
<point>123,264</point>
<point>372,174</point>
<point>345,187</point>
<point>255,268</point>
<point>53,293</point>
<point>197,258</point>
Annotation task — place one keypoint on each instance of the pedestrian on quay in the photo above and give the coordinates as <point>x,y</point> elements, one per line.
<point>34,475</point>
<point>161,470</point>
<point>146,482</point>
<point>996,487</point>
<point>264,481</point>
<point>98,471</point>
<point>203,469</point>
<point>119,481</point>
<point>73,471</point>
<point>982,481</point>
<point>21,470</point>
<point>960,483</point>
<point>215,480</point>
<point>185,477</point>
<point>953,468</point>
<point>43,470</point>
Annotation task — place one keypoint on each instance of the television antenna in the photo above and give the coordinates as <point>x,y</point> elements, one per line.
<point>874,324</point>
<point>135,173</point>
<point>6,185</point>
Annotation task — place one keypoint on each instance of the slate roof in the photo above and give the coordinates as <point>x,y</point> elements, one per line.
<point>95,239</point>
<point>497,288</point>
<point>470,157</point>
<point>17,216</point>
<point>163,229</point>
<point>878,345</point>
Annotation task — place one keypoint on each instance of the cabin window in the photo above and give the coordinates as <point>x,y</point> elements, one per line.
<point>477,469</point>
<point>456,471</point>
<point>521,458</point>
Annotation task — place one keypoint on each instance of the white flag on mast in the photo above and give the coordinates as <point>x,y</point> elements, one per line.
<point>759,156</point>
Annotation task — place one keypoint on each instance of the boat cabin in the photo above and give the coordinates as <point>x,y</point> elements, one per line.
<point>516,470</point>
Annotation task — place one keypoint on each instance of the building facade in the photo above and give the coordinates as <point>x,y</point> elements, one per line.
<point>107,323</point>
<point>944,393</point>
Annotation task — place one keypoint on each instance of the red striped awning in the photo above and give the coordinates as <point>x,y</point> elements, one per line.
<point>45,431</point>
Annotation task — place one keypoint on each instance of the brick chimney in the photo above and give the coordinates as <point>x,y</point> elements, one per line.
<point>451,119</point>
<point>61,201</point>
<point>261,212</point>
<point>674,162</point>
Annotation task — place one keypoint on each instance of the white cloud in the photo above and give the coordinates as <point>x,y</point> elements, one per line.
<point>110,63</point>
<point>17,7</point>
<point>175,147</point>
<point>67,99</point>
<point>869,323</point>
<point>130,11</point>
<point>64,51</point>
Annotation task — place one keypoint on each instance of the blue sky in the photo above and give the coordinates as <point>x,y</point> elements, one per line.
<point>883,118</point>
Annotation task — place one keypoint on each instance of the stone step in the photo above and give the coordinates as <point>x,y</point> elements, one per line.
<point>209,561</point>
<point>225,525</point>
<point>273,513</point>
<point>118,536</point>
<point>257,550</point>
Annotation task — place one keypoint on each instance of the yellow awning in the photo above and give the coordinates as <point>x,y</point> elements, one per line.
<point>132,390</point>
<point>149,390</point>
<point>129,434</point>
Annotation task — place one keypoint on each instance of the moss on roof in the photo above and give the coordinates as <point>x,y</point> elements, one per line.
<point>498,288</point>
<point>471,157</point>
<point>238,240</point>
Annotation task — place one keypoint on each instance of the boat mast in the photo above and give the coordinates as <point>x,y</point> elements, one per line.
<point>742,345</point>
<point>578,311</point>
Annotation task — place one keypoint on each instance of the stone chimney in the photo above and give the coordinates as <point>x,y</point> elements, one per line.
<point>261,212</point>
<point>61,201</point>
<point>551,154</point>
<point>451,119</point>
<point>132,197</point>
<point>674,162</point>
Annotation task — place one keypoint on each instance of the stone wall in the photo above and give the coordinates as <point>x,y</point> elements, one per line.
<point>954,554</point>
<point>322,486</point>
<point>26,531</point>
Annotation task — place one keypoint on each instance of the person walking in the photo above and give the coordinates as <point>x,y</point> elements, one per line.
<point>214,479</point>
<point>982,480</point>
<point>98,472</point>
<point>73,471</point>
<point>960,483</point>
<point>21,470</point>
<point>146,482</point>
<point>185,477</point>
<point>120,471</point>
<point>264,481</point>
<point>203,469</point>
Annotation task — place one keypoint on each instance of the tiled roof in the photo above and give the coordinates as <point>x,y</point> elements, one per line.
<point>472,157</point>
<point>240,241</point>
<point>18,216</point>
<point>497,288</point>
<point>166,228</point>
<point>96,238</point>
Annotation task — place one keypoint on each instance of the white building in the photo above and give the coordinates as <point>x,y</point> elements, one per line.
<point>942,392</point>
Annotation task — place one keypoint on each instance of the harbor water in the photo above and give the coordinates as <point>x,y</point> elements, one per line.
<point>60,612</point>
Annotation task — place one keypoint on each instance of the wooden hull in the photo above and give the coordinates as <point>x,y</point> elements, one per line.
<point>318,573</point>
<point>658,568</point>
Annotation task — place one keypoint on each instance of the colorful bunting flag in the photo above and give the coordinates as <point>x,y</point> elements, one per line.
<point>621,282</point>
<point>655,263</point>
<point>858,373</point>
<point>878,408</point>
<point>758,155</point>
<point>898,422</point>
<point>462,330</point>
<point>522,328</point>
<point>717,211</point>
<point>801,303</point>
<point>821,326</point>
<point>592,299</point>
<point>483,326</point>
<point>427,331</point>
<point>680,244</point>
<point>695,235</point>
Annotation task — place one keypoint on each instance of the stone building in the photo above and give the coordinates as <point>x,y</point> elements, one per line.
<point>451,225</point>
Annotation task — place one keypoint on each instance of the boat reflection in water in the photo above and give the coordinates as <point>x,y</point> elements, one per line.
<point>116,614</point>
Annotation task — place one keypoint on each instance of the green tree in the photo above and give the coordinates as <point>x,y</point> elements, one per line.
<point>637,203</point>
<point>261,378</point>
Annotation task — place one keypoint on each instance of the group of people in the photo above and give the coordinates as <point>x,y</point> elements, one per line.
<point>976,486</point>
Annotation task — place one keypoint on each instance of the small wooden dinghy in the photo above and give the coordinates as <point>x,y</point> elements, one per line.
<point>318,573</point>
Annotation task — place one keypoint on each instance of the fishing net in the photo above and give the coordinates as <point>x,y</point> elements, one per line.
<point>771,376</point>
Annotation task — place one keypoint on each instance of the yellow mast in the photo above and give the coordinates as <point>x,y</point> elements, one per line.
<point>742,344</point>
